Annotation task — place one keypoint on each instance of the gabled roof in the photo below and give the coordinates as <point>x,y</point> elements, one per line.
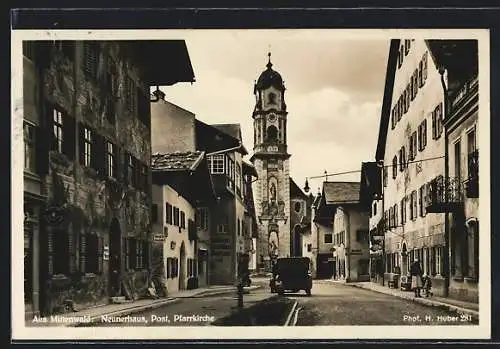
<point>341,192</point>
<point>295,190</point>
<point>213,138</point>
<point>178,161</point>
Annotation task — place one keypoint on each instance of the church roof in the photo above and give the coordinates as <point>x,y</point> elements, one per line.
<point>270,77</point>
<point>295,190</point>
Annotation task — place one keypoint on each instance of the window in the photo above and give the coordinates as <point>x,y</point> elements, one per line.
<point>403,210</point>
<point>239,227</point>
<point>413,205</point>
<point>29,147</point>
<point>93,253</point>
<point>87,150</point>
<point>183,220</point>
<point>393,118</point>
<point>395,215</point>
<point>413,146</point>
<point>58,130</point>
<point>168,213</point>
<point>471,141</point>
<point>407,47</point>
<point>238,179</point>
<point>111,154</point>
<point>309,247</point>
<point>91,59</point>
<point>414,84</point>
<point>421,194</point>
<point>130,95</point>
<point>154,213</point>
<point>400,107</point>
<point>402,159</point>
<point>438,260</point>
<point>202,218</point>
<point>272,134</point>
<point>216,163</point>
<point>176,216</point>
<point>458,162</point>
<point>139,263</point>
<point>405,99</point>
<point>328,238</point>
<point>271,98</point>
<point>422,135</point>
<point>424,68</point>
<point>374,209</point>
<point>361,236</point>
<point>297,206</point>
<point>222,228</point>
<point>394,167</point>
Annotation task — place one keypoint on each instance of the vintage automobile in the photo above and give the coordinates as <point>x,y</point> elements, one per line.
<point>291,274</point>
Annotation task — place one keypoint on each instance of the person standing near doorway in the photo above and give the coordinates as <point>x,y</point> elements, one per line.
<point>416,277</point>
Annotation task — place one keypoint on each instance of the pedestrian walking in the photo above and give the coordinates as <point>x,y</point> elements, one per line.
<point>416,277</point>
<point>427,285</point>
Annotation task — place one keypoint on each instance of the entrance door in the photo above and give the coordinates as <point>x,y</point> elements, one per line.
<point>182,267</point>
<point>114,258</point>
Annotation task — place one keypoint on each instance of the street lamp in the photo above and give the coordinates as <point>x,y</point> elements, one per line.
<point>306,187</point>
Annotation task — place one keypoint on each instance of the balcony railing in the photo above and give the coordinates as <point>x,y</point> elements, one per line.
<point>444,195</point>
<point>472,183</point>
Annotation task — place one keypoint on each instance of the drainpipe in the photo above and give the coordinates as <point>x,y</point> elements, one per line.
<point>446,255</point>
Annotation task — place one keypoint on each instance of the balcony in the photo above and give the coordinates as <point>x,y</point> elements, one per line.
<point>472,183</point>
<point>444,195</point>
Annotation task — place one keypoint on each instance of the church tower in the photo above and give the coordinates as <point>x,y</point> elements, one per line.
<point>271,160</point>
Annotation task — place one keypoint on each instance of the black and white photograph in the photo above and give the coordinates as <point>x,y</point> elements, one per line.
<point>171,183</point>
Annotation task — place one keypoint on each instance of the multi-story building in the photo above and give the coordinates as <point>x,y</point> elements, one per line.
<point>222,144</point>
<point>311,240</point>
<point>322,229</point>
<point>87,156</point>
<point>412,147</point>
<point>181,184</point>
<point>250,231</point>
<point>456,195</point>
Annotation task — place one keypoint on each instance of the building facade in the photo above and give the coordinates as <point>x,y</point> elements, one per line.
<point>311,240</point>
<point>271,160</point>
<point>181,188</point>
<point>87,151</point>
<point>457,194</point>
<point>413,155</point>
<point>351,243</point>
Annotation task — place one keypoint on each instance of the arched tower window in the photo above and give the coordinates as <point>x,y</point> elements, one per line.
<point>272,133</point>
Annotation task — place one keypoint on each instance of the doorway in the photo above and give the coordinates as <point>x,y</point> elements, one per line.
<point>404,260</point>
<point>297,241</point>
<point>114,258</point>
<point>182,267</point>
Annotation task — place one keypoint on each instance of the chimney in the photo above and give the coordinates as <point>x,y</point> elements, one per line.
<point>159,94</point>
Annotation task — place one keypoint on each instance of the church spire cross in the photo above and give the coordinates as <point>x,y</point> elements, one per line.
<point>269,64</point>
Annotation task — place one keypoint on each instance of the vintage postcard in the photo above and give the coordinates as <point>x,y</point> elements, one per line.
<point>290,184</point>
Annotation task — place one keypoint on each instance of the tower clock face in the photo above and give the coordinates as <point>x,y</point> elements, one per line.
<point>272,118</point>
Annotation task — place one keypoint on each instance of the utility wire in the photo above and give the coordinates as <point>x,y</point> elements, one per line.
<point>385,166</point>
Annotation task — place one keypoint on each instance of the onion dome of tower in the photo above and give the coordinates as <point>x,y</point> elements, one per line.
<point>270,77</point>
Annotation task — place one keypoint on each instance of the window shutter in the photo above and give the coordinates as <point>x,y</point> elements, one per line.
<point>434,125</point>
<point>50,252</point>
<point>420,74</point>
<point>71,252</point>
<point>117,165</point>
<point>69,142</point>
<point>100,252</point>
<point>424,77</point>
<point>83,253</point>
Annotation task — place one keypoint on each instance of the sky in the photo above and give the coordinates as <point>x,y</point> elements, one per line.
<point>334,88</point>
